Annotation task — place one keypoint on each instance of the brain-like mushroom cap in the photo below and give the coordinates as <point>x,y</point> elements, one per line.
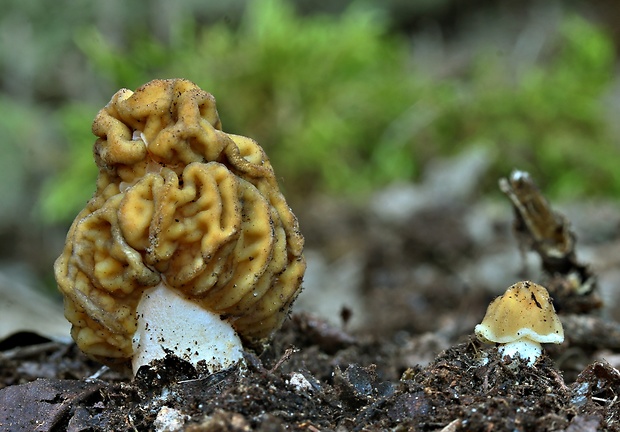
<point>182,202</point>
<point>525,310</point>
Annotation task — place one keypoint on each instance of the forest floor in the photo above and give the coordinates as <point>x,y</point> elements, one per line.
<point>380,339</point>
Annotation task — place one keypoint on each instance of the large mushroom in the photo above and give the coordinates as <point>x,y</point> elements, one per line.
<point>186,237</point>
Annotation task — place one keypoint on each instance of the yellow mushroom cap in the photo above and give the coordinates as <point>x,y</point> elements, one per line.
<point>525,310</point>
<point>178,202</point>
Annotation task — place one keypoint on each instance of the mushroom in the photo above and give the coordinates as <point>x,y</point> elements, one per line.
<point>187,245</point>
<point>520,320</point>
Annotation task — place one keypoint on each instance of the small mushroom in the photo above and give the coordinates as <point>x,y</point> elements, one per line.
<point>520,320</point>
<point>187,246</point>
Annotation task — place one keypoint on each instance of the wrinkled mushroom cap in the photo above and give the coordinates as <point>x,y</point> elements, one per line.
<point>181,202</point>
<point>525,310</point>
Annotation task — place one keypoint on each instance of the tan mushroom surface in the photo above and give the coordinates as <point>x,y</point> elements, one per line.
<point>178,202</point>
<point>521,319</point>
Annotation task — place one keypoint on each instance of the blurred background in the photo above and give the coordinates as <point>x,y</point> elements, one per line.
<point>348,98</point>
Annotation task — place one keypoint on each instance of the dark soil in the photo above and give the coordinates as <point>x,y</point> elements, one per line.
<point>410,363</point>
<point>327,382</point>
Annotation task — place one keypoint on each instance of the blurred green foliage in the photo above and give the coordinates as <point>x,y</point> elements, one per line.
<point>70,188</point>
<point>317,92</point>
<point>340,106</point>
<point>548,119</point>
<point>15,127</point>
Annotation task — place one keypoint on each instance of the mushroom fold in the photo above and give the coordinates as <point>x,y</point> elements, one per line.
<point>181,202</point>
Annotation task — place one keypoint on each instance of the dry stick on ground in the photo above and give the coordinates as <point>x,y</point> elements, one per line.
<point>539,228</point>
<point>571,283</point>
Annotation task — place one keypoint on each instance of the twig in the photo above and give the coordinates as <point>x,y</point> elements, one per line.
<point>538,227</point>
<point>285,357</point>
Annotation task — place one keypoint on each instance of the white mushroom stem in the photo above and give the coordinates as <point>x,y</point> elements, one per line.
<point>525,348</point>
<point>168,322</point>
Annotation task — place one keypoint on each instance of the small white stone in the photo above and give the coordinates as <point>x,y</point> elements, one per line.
<point>483,360</point>
<point>169,420</point>
<point>300,382</point>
